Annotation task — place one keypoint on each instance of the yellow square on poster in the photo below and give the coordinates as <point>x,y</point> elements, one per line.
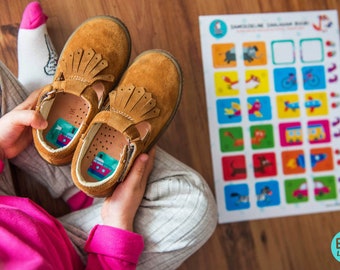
<point>288,106</point>
<point>257,81</point>
<point>226,83</point>
<point>223,55</point>
<point>316,104</point>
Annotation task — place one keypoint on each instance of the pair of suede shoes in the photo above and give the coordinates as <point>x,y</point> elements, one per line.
<point>101,111</point>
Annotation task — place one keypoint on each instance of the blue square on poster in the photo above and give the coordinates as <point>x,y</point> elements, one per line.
<point>237,197</point>
<point>259,108</point>
<point>314,77</point>
<point>267,193</point>
<point>285,79</point>
<point>228,110</point>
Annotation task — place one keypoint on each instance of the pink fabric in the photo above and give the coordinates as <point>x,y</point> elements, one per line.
<point>2,166</point>
<point>33,16</point>
<point>79,201</point>
<point>32,239</point>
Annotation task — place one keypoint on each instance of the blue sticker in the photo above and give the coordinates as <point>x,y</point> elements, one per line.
<point>102,166</point>
<point>314,77</point>
<point>61,133</point>
<point>237,197</point>
<point>228,110</point>
<point>285,79</point>
<point>259,108</point>
<point>218,29</point>
<point>267,193</point>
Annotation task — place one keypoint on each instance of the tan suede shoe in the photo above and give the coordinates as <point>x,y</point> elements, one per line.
<point>140,109</point>
<point>90,66</point>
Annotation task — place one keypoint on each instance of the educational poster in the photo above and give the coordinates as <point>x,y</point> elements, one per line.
<point>272,86</point>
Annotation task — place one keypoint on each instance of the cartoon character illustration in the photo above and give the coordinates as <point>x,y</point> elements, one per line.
<point>323,23</point>
<point>218,28</point>
<point>251,83</point>
<point>264,163</point>
<point>264,195</point>
<point>230,55</point>
<point>249,53</point>
<point>231,84</point>
<point>259,135</point>
<point>235,110</point>
<point>237,170</point>
<point>254,109</point>
<point>240,198</point>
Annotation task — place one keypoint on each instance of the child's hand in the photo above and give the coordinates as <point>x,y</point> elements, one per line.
<point>120,209</point>
<point>15,126</point>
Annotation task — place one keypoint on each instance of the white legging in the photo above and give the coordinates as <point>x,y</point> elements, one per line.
<point>176,217</point>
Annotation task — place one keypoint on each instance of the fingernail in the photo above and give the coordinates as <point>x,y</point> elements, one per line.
<point>144,157</point>
<point>44,124</point>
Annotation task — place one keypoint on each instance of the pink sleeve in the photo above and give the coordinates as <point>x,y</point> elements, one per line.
<point>113,248</point>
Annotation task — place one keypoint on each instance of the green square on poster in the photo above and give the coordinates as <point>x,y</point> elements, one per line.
<point>262,136</point>
<point>296,190</point>
<point>231,139</point>
<point>325,188</point>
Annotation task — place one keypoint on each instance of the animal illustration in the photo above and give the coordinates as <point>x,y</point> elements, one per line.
<point>235,110</point>
<point>231,84</point>
<point>240,198</point>
<point>264,195</point>
<point>251,83</point>
<point>230,55</point>
<point>264,163</point>
<point>255,108</point>
<point>259,135</point>
<point>237,170</point>
<point>249,53</point>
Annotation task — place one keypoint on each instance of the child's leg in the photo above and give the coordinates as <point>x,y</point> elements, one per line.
<point>176,217</point>
<point>37,58</point>
<point>57,179</point>
<point>11,94</point>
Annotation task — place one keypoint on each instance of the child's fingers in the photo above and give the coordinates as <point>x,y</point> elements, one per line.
<point>27,118</point>
<point>30,102</point>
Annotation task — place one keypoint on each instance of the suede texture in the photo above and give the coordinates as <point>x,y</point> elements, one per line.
<point>141,108</point>
<point>97,51</point>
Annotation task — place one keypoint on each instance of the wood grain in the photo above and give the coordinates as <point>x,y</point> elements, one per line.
<point>299,242</point>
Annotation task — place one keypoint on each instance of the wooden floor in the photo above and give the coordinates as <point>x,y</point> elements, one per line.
<point>301,242</point>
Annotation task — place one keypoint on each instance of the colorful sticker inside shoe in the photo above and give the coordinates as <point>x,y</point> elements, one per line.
<point>102,166</point>
<point>61,133</point>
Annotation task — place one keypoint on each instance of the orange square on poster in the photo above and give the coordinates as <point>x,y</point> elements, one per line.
<point>224,55</point>
<point>254,53</point>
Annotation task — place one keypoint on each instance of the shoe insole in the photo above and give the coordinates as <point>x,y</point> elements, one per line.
<point>66,115</point>
<point>103,154</point>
